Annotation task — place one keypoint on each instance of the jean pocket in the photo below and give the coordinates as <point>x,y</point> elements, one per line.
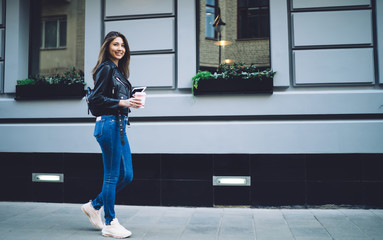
<point>98,128</point>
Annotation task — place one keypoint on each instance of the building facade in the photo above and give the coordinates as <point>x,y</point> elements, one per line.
<point>316,140</point>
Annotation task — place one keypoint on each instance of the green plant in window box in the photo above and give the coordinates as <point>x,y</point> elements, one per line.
<point>236,78</point>
<point>199,76</point>
<point>28,81</point>
<point>70,84</point>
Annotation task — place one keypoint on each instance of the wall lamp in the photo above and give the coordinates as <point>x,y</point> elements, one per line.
<point>48,177</point>
<point>231,181</point>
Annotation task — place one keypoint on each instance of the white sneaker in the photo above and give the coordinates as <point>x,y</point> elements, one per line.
<point>93,214</point>
<point>115,230</point>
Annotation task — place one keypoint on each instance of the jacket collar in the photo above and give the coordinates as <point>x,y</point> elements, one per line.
<point>110,63</point>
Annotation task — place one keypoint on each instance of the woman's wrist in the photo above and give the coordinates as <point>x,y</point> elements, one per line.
<point>132,102</point>
<point>122,103</point>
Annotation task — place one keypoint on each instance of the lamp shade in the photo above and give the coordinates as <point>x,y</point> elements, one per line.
<point>218,23</point>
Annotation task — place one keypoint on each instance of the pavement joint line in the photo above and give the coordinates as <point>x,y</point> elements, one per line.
<point>220,224</point>
<point>288,225</point>
<point>254,227</point>
<point>381,217</point>
<point>324,227</point>
<point>356,225</point>
<point>187,224</point>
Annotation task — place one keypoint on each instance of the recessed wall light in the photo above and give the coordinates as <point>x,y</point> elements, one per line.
<point>47,177</point>
<point>231,181</point>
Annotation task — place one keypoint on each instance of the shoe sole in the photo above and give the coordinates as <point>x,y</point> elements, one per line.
<point>110,235</point>
<point>90,219</point>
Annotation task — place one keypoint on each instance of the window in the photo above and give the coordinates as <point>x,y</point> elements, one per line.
<point>53,33</point>
<point>253,19</point>
<point>211,10</point>
<point>57,37</point>
<point>244,37</point>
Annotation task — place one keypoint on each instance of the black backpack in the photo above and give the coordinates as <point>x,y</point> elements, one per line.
<point>89,96</point>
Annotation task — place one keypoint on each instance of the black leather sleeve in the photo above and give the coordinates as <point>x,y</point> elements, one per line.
<point>103,97</point>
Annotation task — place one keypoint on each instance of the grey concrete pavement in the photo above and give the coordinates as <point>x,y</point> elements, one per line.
<point>66,221</point>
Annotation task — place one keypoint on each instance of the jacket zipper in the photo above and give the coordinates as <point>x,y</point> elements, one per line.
<point>126,85</point>
<point>121,81</point>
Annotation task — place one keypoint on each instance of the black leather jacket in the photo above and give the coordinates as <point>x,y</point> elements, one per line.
<point>110,86</point>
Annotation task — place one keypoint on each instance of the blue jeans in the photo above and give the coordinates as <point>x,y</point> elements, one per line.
<point>117,159</point>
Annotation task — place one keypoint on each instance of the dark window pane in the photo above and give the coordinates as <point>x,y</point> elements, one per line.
<point>62,33</point>
<point>253,19</point>
<point>50,34</point>
<point>263,3</point>
<point>253,3</point>
<point>242,3</point>
<point>265,26</point>
<point>242,24</point>
<point>254,29</point>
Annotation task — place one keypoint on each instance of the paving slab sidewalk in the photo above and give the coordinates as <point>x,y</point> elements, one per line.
<point>25,220</point>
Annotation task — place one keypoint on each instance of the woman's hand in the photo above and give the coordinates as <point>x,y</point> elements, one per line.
<point>131,102</point>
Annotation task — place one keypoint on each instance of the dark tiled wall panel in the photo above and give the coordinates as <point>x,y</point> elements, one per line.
<point>186,179</point>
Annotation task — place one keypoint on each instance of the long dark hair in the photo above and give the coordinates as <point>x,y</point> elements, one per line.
<point>123,63</point>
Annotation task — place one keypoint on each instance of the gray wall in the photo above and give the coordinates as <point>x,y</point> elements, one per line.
<point>346,103</point>
<point>16,43</point>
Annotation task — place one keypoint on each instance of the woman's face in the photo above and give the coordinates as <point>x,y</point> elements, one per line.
<point>116,49</point>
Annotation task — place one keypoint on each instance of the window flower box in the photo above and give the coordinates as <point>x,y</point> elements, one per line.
<point>69,85</point>
<point>24,92</point>
<point>233,85</point>
<point>233,79</point>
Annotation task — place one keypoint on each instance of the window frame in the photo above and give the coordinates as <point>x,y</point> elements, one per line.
<point>2,46</point>
<point>215,6</point>
<point>259,23</point>
<point>59,20</point>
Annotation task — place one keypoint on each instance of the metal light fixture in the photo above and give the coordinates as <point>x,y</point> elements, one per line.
<point>231,181</point>
<point>48,177</point>
<point>223,43</point>
<point>218,23</point>
<point>218,27</point>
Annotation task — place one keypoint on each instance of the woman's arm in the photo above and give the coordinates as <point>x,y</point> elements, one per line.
<point>103,88</point>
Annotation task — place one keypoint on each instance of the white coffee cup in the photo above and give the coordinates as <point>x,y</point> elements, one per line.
<point>142,97</point>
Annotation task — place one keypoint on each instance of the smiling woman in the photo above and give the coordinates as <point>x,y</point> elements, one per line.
<point>116,50</point>
<point>111,100</point>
